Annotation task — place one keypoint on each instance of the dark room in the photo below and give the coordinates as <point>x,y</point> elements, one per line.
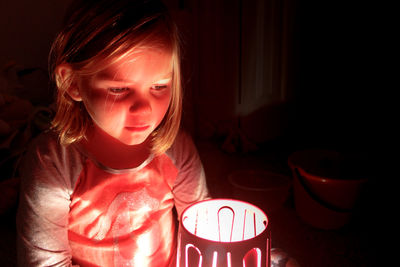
<point>280,104</point>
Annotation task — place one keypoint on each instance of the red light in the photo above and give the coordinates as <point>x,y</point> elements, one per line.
<point>224,220</point>
<point>223,232</point>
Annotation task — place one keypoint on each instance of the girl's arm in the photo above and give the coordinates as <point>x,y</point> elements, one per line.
<point>190,185</point>
<point>42,218</point>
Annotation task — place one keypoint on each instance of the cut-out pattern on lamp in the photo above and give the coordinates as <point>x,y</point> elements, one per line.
<point>223,233</point>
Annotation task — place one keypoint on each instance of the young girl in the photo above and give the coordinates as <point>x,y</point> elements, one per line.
<point>100,188</point>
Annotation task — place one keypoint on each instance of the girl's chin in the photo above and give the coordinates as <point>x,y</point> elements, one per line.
<point>134,140</point>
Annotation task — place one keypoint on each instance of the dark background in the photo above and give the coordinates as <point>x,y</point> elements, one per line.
<point>325,81</point>
<point>325,51</point>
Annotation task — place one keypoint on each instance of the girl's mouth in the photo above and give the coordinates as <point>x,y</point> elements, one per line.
<point>137,128</point>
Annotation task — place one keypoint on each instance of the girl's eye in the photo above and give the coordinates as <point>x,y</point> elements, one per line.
<point>118,91</point>
<point>159,87</point>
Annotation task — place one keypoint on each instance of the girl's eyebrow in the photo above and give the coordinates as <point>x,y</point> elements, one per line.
<point>104,77</point>
<point>164,80</point>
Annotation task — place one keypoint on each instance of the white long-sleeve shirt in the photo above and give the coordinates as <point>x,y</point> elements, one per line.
<point>74,210</point>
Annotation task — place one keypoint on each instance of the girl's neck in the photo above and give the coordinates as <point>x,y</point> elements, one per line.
<point>112,153</point>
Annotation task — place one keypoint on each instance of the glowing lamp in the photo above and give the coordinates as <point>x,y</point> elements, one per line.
<point>223,233</point>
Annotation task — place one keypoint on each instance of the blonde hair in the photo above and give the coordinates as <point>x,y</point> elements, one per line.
<point>99,31</point>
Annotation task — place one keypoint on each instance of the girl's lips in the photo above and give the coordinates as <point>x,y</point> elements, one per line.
<point>137,128</point>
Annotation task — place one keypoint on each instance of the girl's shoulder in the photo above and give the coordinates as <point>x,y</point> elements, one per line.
<point>45,141</point>
<point>47,144</point>
<point>182,138</point>
<point>183,149</point>
<point>46,156</point>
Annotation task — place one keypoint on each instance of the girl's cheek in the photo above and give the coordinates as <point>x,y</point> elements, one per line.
<point>164,108</point>
<point>100,99</point>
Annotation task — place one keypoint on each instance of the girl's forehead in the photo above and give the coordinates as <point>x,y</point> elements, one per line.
<point>144,63</point>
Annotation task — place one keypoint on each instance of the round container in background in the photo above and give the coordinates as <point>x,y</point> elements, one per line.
<point>326,186</point>
<point>265,189</point>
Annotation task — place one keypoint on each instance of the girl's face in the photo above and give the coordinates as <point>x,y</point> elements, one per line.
<point>129,98</point>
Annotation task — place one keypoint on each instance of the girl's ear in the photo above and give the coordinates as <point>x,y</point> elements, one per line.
<point>63,74</point>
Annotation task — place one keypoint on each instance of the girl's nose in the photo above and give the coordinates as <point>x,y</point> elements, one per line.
<point>140,106</point>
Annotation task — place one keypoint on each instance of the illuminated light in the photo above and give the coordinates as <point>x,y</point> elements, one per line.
<point>178,254</point>
<point>226,216</point>
<point>252,258</point>
<point>223,233</point>
<point>215,258</point>
<point>145,243</point>
<point>188,246</point>
<point>210,220</point>
<point>229,259</point>
<point>139,260</point>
